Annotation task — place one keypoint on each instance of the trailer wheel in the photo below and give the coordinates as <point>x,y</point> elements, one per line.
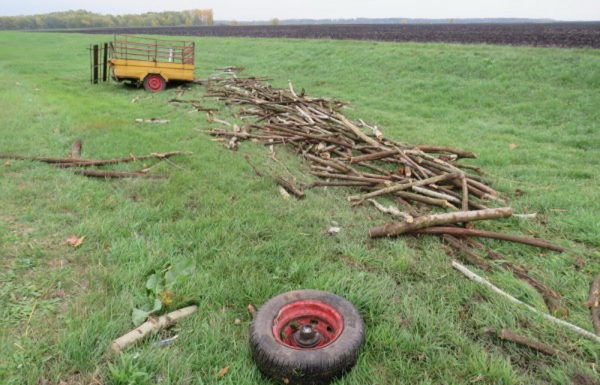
<point>154,83</point>
<point>306,337</point>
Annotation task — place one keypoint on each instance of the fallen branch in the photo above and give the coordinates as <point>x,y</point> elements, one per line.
<point>553,300</point>
<point>469,254</point>
<point>290,187</point>
<point>119,174</point>
<point>457,231</point>
<point>70,162</point>
<point>550,318</point>
<point>392,211</point>
<point>511,336</point>
<point>287,186</point>
<point>446,149</point>
<point>397,228</point>
<point>403,186</point>
<point>153,325</point>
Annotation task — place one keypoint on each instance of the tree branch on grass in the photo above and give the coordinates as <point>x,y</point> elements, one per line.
<point>153,325</point>
<point>398,228</point>
<point>511,336</point>
<point>483,281</point>
<point>457,231</point>
<point>119,174</point>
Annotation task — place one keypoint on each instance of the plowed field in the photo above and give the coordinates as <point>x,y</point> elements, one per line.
<point>566,35</point>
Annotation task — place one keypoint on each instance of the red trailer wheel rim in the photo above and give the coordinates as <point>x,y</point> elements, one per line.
<point>320,316</point>
<point>154,83</point>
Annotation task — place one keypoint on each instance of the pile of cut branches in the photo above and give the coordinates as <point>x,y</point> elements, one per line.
<point>346,153</point>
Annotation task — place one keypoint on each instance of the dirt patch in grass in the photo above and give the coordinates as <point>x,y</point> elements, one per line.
<point>583,379</point>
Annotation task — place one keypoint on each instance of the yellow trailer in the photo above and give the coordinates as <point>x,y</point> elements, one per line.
<point>152,62</point>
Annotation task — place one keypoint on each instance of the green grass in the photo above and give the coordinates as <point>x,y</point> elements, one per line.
<point>426,324</point>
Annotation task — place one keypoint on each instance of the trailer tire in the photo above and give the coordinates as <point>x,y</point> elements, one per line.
<point>154,83</point>
<point>274,344</point>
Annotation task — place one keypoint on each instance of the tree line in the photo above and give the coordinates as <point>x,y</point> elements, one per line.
<point>86,19</point>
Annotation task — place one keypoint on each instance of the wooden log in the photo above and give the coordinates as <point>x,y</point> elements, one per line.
<point>331,163</point>
<point>403,186</point>
<point>435,194</point>
<point>290,187</point>
<point>409,209</point>
<point>149,327</point>
<point>465,192</point>
<point>398,228</point>
<point>319,183</point>
<point>457,231</point>
<point>446,149</point>
<point>511,336</point>
<point>327,175</point>
<point>423,199</point>
<point>118,174</point>
<point>374,156</point>
<point>356,131</point>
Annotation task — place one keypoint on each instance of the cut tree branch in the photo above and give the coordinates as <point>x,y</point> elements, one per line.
<point>548,317</point>
<point>511,336</point>
<point>119,174</point>
<point>397,228</point>
<point>457,231</point>
<point>153,325</point>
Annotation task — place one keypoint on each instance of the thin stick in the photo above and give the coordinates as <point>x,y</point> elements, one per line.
<point>511,336</point>
<point>465,192</point>
<point>468,273</point>
<point>119,174</point>
<point>470,255</point>
<point>153,325</point>
<point>457,231</point>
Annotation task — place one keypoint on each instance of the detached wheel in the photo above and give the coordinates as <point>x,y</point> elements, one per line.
<point>306,337</point>
<point>154,83</point>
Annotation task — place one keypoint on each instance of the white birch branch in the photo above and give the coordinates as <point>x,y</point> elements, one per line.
<point>550,318</point>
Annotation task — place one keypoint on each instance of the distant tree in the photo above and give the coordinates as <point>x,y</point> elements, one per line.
<point>275,21</point>
<point>86,19</point>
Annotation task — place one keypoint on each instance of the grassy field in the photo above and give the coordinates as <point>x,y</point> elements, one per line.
<point>530,114</point>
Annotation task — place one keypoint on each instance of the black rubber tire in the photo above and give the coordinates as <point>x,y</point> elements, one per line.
<point>307,366</point>
<point>154,83</point>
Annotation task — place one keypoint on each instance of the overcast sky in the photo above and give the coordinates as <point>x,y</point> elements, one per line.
<point>246,10</point>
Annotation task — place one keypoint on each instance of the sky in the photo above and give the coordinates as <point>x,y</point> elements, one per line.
<point>247,10</point>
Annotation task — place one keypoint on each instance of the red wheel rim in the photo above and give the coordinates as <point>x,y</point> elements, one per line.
<point>321,317</point>
<point>154,83</point>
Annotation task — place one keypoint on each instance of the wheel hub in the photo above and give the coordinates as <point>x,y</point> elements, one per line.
<point>307,324</point>
<point>307,337</point>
